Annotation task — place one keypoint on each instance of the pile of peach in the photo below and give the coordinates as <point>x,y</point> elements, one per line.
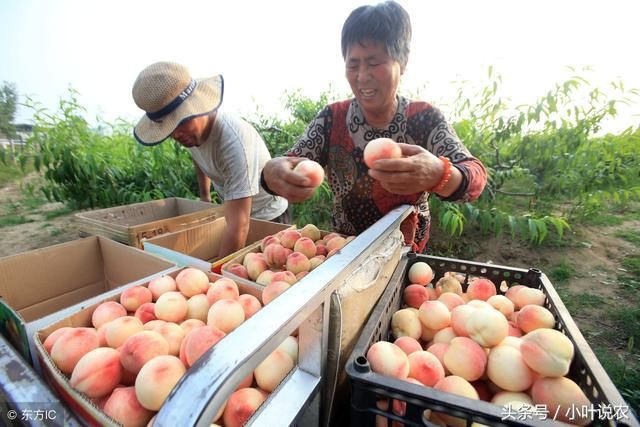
<point>286,257</point>
<point>139,348</point>
<point>478,344</point>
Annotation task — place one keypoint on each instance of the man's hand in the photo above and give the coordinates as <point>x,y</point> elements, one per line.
<point>280,178</point>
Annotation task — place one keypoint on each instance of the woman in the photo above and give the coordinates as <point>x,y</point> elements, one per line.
<point>375,47</point>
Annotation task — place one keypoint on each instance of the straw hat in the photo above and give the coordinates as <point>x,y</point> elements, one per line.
<point>169,95</point>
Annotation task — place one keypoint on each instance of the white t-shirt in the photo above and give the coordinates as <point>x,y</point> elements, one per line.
<point>233,157</point>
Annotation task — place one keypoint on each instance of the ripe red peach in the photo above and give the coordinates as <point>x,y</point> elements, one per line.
<point>420,273</point>
<point>198,341</point>
<point>134,297</point>
<point>448,283</point>
<point>451,300</point>
<point>141,347</point>
<point>53,337</point>
<point>250,304</point>
<point>459,316</point>
<point>388,359</point>
<point>305,246</point>
<point>123,406</point>
<point>528,296</point>
<point>174,335</point>
<point>414,295</point>
<point>118,330</point>
<point>171,307</point>
<point>241,406</point>
<point>97,373</point>
<point>284,276</point>
<point>289,238</point>
<point>226,315</point>
<point>106,312</point>
<point>312,170</point>
<point>267,240</point>
<point>238,269</point>
<point>380,148</point>
<point>465,358</point>
<point>487,327</point>
<point>156,379</point>
<point>191,324</point>
<point>434,315</point>
<point>160,285</point>
<point>71,346</point>
<point>272,290</point>
<point>321,249</point>
<point>192,281</point>
<point>223,288</point>
<point>425,367</point>
<point>146,312</point>
<point>547,351</point>
<point>408,344</point>
<point>531,317</point>
<point>481,288</point>
<point>336,243</point>
<point>198,307</point>
<point>512,291</point>
<point>563,397</point>
<point>507,369</point>
<point>273,369</point>
<point>439,349</point>
<point>502,304</point>
<point>276,255</point>
<point>297,262</point>
<point>310,231</point>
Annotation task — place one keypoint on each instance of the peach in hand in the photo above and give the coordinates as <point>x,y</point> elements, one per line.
<point>381,148</point>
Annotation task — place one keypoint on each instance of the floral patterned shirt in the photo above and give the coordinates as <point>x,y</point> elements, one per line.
<point>336,139</point>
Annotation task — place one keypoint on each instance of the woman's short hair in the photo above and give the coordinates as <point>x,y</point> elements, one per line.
<point>387,23</point>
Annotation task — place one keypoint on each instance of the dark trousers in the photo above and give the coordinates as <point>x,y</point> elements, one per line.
<point>284,218</point>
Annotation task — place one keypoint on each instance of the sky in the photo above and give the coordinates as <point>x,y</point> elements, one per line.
<point>264,48</point>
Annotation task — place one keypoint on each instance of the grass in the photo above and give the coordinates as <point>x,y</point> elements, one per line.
<point>561,273</point>
<point>624,371</point>
<point>632,265</point>
<point>12,220</point>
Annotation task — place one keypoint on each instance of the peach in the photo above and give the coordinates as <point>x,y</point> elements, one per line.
<point>118,330</point>
<point>273,369</point>
<point>250,305</point>
<point>425,367</point>
<point>434,315</point>
<point>284,276</point>
<point>256,265</point>
<point>330,236</point>
<point>297,262</point>
<point>414,295</point>
<point>289,238</point>
<point>160,285</point>
<point>141,347</point>
<point>198,307</point>
<point>312,170</point>
<point>226,315</point>
<point>321,249</point>
<point>128,378</point>
<point>444,335</point>
<point>476,303</point>
<point>252,256</point>
<point>172,307</point>
<point>305,246</point>
<point>123,406</point>
<point>439,349</point>
<point>547,351</point>
<point>267,240</point>
<point>528,296</point>
<point>156,379</point>
<point>502,304</point>
<point>146,312</point>
<point>53,337</point>
<point>134,297</point>
<point>428,334</point>
<point>487,327</point>
<point>265,277</point>
<point>71,346</point>
<point>380,148</point>
<point>512,341</point>
<point>388,359</point>
<point>315,261</point>
<point>106,312</point>
<point>223,288</point>
<point>481,288</point>
<point>310,231</point>
<point>272,290</point>
<point>336,243</point>
<point>459,386</point>
<point>153,324</point>
<point>238,269</point>
<point>192,281</point>
<point>241,406</point>
<point>97,373</point>
<point>405,323</point>
<point>198,341</point>
<point>408,344</point>
<point>451,300</point>
<point>459,316</point>
<point>465,358</point>
<point>420,273</point>
<point>562,397</point>
<point>503,398</point>
<point>448,283</point>
<point>531,317</point>
<point>174,335</point>
<point>514,331</point>
<point>191,324</point>
<point>276,255</point>
<point>507,369</point>
<point>290,346</point>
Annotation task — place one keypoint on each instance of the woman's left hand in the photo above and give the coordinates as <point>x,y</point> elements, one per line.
<point>417,171</point>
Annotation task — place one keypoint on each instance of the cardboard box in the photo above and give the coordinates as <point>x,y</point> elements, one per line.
<point>130,224</point>
<point>37,286</point>
<point>200,245</point>
<point>84,408</point>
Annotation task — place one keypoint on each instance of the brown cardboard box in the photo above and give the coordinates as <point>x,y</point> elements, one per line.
<point>38,286</point>
<point>199,245</point>
<point>130,224</point>
<point>85,409</point>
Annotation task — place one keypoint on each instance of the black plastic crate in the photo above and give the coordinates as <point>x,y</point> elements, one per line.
<point>368,387</point>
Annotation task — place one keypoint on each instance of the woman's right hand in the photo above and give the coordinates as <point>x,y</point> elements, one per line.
<point>280,178</point>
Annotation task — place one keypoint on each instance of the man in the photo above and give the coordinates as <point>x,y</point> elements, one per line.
<point>225,149</point>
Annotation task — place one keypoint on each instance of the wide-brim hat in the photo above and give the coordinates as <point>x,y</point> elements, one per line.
<point>169,95</point>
